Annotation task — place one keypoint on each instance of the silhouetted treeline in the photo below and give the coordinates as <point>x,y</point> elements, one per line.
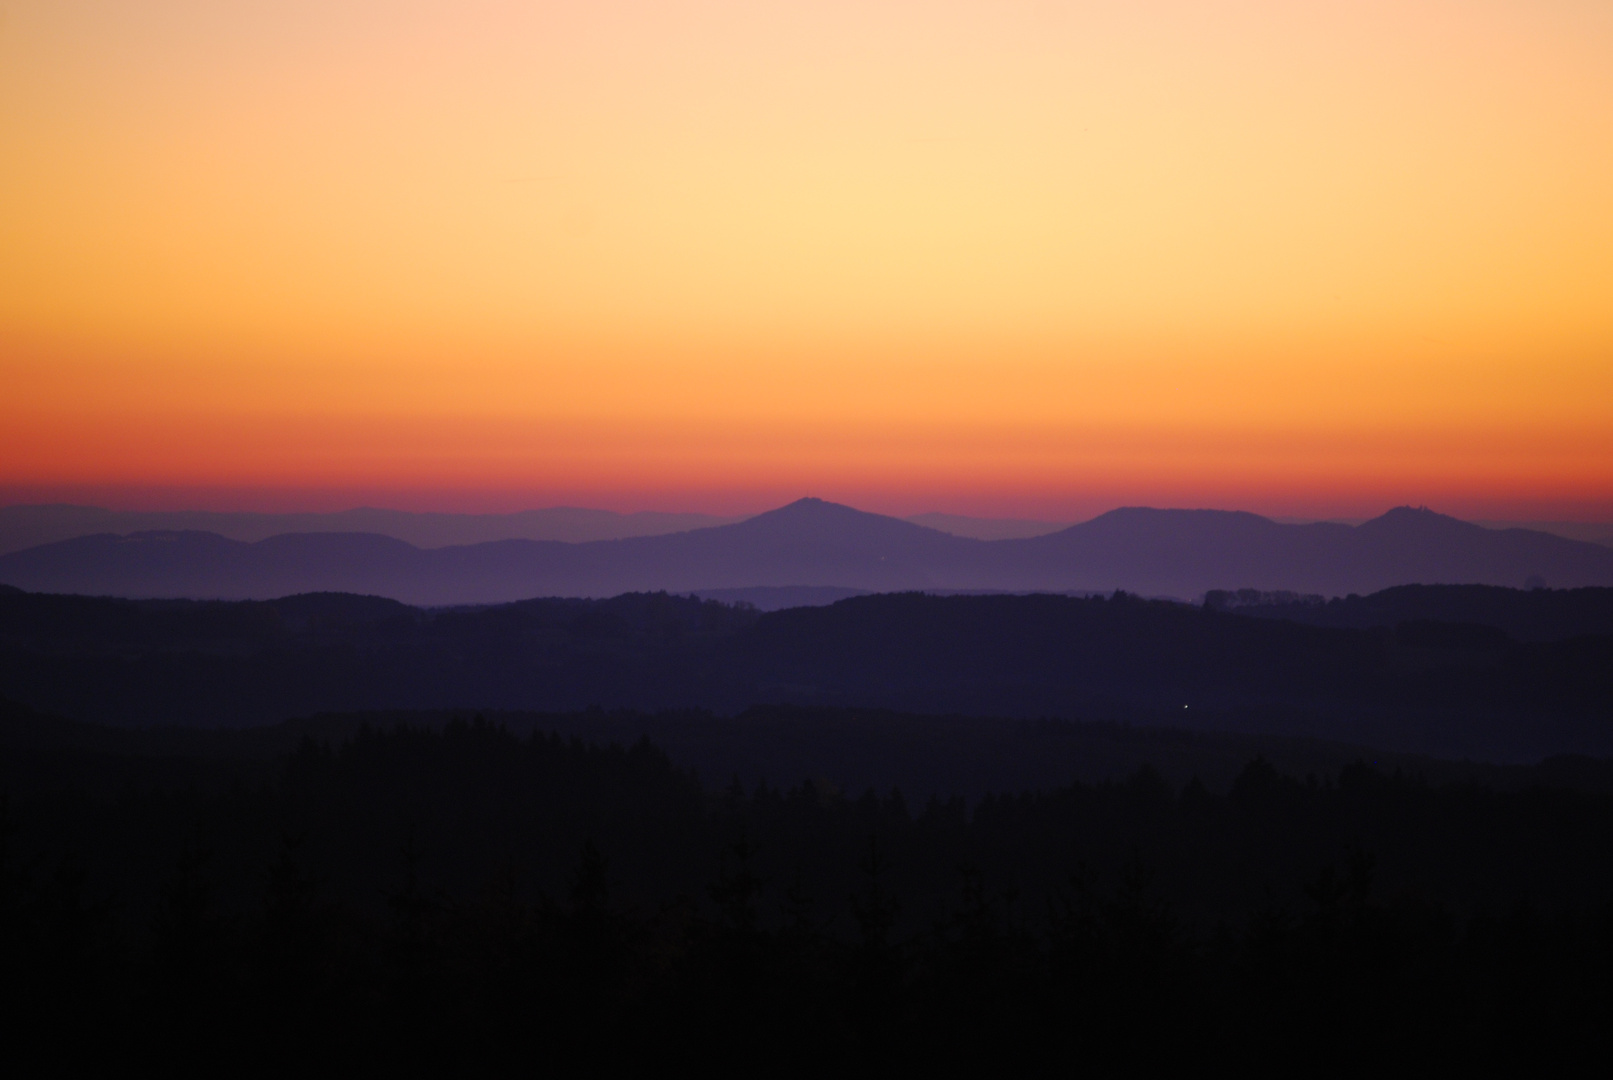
<point>446,899</point>
<point>1452,689</point>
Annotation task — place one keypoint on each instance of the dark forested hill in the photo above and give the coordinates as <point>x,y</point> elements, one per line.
<point>1425,686</point>
<point>811,543</point>
<point>1525,614</point>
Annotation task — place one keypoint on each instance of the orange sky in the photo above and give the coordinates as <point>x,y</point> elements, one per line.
<point>1026,257</point>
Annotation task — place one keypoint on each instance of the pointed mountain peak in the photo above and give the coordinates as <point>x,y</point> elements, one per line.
<point>814,509</point>
<point>808,504</point>
<point>813,517</point>
<point>1417,518</point>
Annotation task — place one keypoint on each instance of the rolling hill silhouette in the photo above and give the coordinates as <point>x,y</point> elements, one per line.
<point>1417,685</point>
<point>27,526</point>
<point>1526,615</point>
<point>1181,553</point>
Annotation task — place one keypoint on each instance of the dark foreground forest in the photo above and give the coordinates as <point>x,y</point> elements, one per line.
<point>450,897</point>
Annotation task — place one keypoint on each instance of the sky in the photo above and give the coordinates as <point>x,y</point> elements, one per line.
<point>1020,257</point>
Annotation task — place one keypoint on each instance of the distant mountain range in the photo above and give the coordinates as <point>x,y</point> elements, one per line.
<point>27,526</point>
<point>826,546</point>
<point>23,527</point>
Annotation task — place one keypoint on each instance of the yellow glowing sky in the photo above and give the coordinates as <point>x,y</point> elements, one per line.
<point>1018,256</point>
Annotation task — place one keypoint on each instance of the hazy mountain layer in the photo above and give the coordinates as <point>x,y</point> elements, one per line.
<point>987,528</point>
<point>1181,553</point>
<point>23,527</point>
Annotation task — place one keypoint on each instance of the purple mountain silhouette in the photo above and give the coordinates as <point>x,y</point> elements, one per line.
<point>1179,553</point>
<point>25,526</point>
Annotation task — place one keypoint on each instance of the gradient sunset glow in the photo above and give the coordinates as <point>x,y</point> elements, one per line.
<point>1036,258</point>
